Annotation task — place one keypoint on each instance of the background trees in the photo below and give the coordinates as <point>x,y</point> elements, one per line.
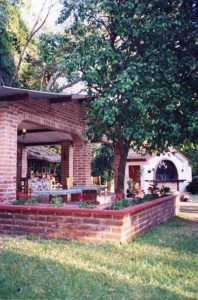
<point>103,162</point>
<point>6,43</point>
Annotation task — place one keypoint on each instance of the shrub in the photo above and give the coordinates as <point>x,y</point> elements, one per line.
<point>122,203</point>
<point>147,197</point>
<point>33,201</point>
<point>192,187</point>
<point>57,201</point>
<point>164,190</point>
<point>19,201</point>
<point>85,204</point>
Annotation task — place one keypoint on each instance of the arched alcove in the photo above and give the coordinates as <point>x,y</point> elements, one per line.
<point>166,171</point>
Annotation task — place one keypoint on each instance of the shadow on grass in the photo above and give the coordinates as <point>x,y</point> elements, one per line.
<point>29,277</point>
<point>179,234</point>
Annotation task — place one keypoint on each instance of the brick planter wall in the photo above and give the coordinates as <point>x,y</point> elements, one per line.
<point>86,225</point>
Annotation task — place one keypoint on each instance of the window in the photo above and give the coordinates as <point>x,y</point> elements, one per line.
<point>166,171</point>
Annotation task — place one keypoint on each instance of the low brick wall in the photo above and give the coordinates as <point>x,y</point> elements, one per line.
<point>86,225</point>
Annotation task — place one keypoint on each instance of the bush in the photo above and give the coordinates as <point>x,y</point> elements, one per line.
<point>57,201</point>
<point>122,203</point>
<point>146,198</point>
<point>192,187</point>
<point>85,204</point>
<point>19,201</point>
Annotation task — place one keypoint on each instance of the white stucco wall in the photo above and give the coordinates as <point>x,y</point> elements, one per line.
<point>148,169</point>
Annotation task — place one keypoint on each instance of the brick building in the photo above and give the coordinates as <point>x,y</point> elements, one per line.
<point>38,118</point>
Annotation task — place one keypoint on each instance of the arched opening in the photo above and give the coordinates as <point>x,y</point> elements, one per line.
<point>166,171</point>
<point>38,163</point>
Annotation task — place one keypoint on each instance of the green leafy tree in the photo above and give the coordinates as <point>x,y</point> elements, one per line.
<point>102,163</point>
<point>192,155</point>
<point>13,36</point>
<point>6,57</point>
<point>139,59</point>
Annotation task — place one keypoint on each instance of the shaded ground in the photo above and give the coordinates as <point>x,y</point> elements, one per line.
<point>189,210</point>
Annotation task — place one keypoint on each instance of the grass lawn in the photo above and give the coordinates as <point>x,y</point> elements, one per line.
<point>162,264</point>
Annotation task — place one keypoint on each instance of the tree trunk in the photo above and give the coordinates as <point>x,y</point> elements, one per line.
<point>120,165</point>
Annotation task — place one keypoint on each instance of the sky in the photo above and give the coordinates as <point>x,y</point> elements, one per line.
<point>31,9</point>
<point>30,12</point>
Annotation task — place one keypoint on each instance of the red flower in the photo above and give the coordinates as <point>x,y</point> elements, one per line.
<point>151,189</point>
<point>22,196</point>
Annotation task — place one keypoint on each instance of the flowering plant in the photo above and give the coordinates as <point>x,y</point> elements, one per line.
<point>22,196</point>
<point>153,188</point>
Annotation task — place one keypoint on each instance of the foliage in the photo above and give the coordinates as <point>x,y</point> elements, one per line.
<point>145,198</point>
<point>86,205</point>
<point>57,201</point>
<point>21,199</point>
<point>103,162</point>
<point>192,155</point>
<point>120,204</point>
<point>6,57</point>
<point>21,195</point>
<point>157,191</point>
<point>145,85</point>
<point>55,148</point>
<point>33,201</point>
<point>164,190</point>
<point>154,189</point>
<point>13,35</point>
<point>192,187</point>
<point>19,202</point>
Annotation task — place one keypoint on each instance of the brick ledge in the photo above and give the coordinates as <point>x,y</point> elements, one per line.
<point>122,212</point>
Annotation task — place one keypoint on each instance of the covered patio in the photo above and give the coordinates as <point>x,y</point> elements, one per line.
<point>30,118</point>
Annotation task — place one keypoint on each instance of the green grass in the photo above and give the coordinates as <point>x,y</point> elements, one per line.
<point>162,264</point>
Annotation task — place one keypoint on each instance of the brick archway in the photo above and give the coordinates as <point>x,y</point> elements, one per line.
<point>69,119</point>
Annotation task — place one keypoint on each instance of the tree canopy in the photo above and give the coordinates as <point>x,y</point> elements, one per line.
<point>6,39</point>
<point>139,58</point>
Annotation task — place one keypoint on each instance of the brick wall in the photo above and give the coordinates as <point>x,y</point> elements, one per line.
<point>97,226</point>
<point>81,162</point>
<point>68,119</point>
<point>65,159</point>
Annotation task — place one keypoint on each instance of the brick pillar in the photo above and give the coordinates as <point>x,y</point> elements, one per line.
<point>24,162</point>
<point>82,162</point>
<point>116,164</point>
<point>65,161</point>
<point>8,157</point>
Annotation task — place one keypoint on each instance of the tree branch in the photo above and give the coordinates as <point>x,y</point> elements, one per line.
<point>70,84</point>
<point>34,30</point>
<point>52,80</point>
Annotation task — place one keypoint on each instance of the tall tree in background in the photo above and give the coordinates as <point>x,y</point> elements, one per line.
<point>103,162</point>
<point>38,24</point>
<point>6,38</point>
<point>139,59</point>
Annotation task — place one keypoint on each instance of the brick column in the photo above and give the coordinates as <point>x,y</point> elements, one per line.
<point>8,157</point>
<point>24,162</point>
<point>65,161</point>
<point>82,162</point>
